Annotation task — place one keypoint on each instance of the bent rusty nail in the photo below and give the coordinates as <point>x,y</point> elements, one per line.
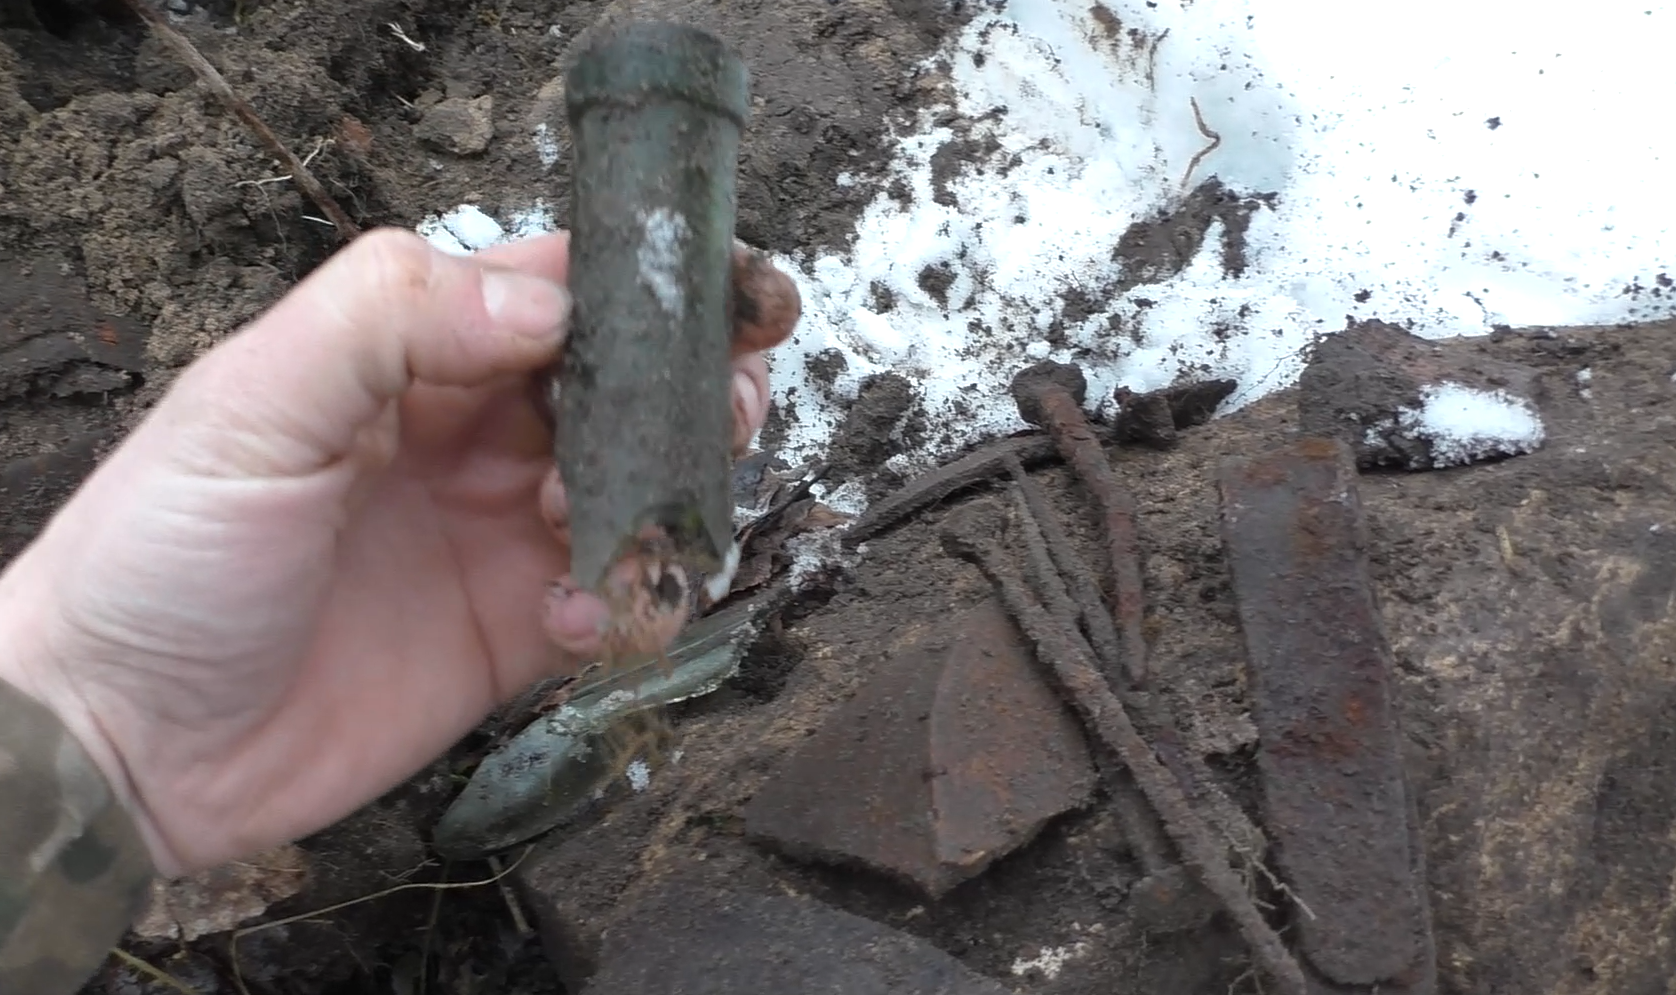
<point>1043,527</point>
<point>1050,395</point>
<point>1130,806</point>
<point>1101,711</point>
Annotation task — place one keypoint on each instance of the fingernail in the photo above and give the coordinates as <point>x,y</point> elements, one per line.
<point>525,304</point>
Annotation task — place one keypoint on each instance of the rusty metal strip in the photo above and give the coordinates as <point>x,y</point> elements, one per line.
<point>1329,753</point>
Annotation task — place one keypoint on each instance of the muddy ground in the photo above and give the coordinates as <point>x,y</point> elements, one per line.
<point>1528,601</point>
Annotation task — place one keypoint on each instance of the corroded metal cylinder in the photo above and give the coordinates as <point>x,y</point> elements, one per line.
<point>645,413</point>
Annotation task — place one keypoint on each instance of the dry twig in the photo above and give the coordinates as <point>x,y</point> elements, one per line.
<point>153,972</point>
<point>218,85</point>
<point>239,934</point>
<point>1204,129</point>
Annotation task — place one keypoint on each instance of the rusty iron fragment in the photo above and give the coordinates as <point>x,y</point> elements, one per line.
<point>1064,652</point>
<point>1158,417</point>
<point>1050,395</point>
<point>954,754</point>
<point>553,771</point>
<point>1329,751</point>
<point>935,485</point>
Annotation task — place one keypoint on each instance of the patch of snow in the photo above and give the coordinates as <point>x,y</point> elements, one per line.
<point>1464,425</point>
<point>1447,180</point>
<point>639,775</point>
<point>815,552</point>
<point>848,498</point>
<point>1049,961</point>
<point>1585,376</point>
<point>462,231</point>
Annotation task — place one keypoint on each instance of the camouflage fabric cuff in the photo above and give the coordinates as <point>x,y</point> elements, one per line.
<point>74,871</point>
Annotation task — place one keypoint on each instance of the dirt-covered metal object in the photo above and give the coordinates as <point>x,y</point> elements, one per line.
<point>645,414</point>
<point>557,767</point>
<point>1330,754</point>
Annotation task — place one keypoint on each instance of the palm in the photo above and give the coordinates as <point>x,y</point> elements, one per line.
<point>433,610</point>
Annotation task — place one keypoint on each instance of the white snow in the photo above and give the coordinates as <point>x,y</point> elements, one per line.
<point>1049,961</point>
<point>1465,425</point>
<point>466,229</point>
<point>1445,166</point>
<point>638,774</point>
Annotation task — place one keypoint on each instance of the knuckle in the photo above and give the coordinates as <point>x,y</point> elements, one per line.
<point>397,264</point>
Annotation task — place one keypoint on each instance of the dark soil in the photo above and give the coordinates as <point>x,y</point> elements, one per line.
<point>1530,602</point>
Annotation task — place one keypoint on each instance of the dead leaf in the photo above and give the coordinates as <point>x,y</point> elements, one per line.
<point>223,898</point>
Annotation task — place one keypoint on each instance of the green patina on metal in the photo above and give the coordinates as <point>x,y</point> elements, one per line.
<point>644,394</point>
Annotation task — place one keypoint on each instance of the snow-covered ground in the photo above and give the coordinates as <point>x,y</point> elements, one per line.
<point>1448,166</point>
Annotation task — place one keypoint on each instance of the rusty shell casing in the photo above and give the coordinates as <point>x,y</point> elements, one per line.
<point>645,412</point>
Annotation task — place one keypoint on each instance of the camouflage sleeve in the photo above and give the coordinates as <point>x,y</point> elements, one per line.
<point>74,871</point>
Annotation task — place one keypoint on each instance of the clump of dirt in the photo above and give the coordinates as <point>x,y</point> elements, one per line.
<point>1154,250</point>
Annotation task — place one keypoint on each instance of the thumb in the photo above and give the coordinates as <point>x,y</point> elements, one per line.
<point>294,390</point>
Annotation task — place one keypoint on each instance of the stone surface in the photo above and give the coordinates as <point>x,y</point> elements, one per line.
<point>954,754</point>
<point>1360,381</point>
<point>54,342</point>
<point>689,938</point>
<point>222,898</point>
<point>1329,752</point>
<point>458,125</point>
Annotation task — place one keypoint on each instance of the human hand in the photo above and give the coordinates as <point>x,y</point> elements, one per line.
<point>330,550</point>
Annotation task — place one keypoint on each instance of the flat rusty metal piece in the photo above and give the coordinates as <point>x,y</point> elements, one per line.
<point>954,754</point>
<point>1329,752</point>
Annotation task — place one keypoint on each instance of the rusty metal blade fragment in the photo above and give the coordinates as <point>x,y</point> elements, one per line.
<point>1329,751</point>
<point>954,754</point>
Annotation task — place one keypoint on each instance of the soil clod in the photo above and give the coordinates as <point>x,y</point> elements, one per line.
<point>1366,384</point>
<point>459,126</point>
<point>1157,417</point>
